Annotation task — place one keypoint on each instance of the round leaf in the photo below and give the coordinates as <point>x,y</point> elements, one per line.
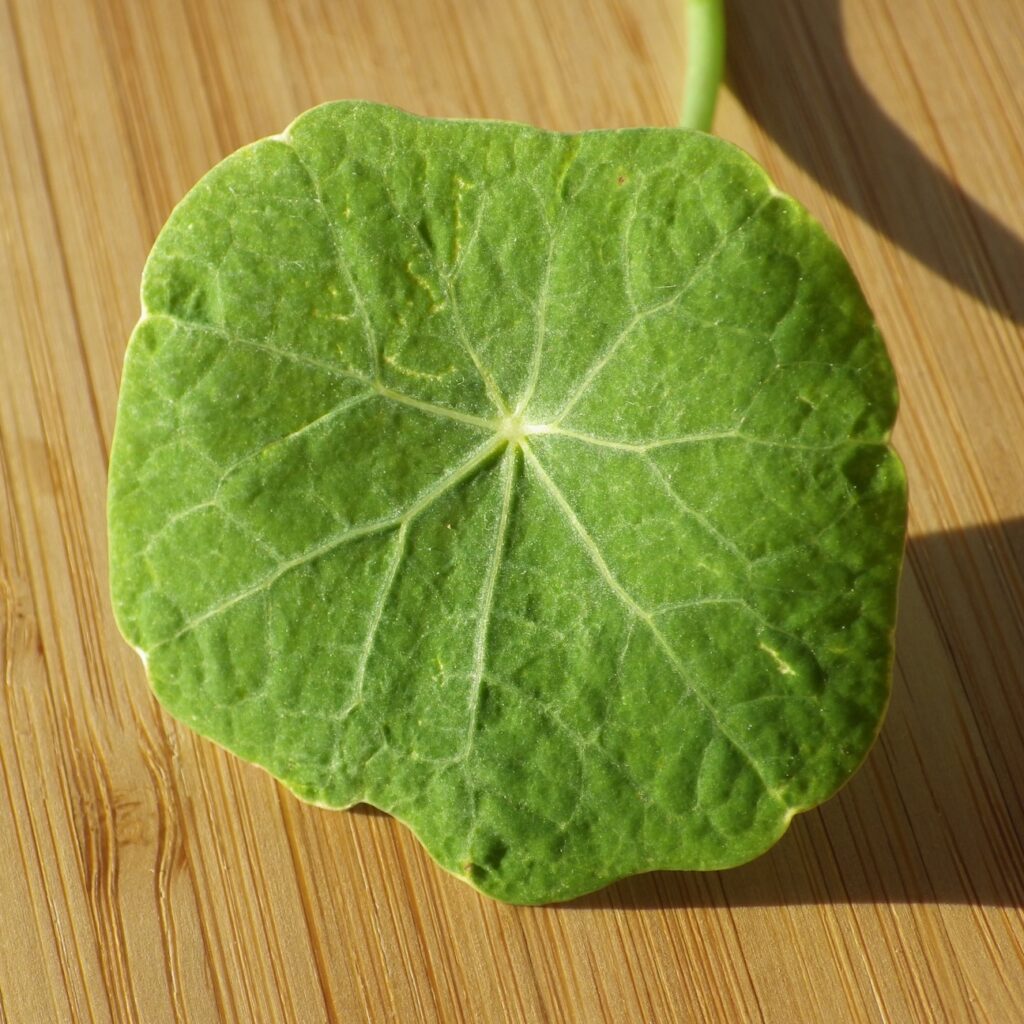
<point>534,488</point>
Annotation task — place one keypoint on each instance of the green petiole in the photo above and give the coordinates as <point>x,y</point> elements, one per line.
<point>705,63</point>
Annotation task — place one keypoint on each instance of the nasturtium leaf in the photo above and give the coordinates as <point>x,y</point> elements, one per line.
<point>532,487</point>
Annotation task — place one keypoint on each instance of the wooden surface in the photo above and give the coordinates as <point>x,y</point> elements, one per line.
<point>147,876</point>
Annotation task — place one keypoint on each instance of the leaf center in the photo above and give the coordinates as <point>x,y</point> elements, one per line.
<point>514,429</point>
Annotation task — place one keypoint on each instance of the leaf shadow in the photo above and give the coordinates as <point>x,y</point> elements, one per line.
<point>827,121</point>
<point>936,814</point>
<point>367,811</point>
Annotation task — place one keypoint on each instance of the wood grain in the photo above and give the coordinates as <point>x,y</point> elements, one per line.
<point>145,875</point>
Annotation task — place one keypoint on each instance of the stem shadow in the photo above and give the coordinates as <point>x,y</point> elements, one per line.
<point>828,122</point>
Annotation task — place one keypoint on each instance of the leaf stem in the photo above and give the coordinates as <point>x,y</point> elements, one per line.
<point>705,62</point>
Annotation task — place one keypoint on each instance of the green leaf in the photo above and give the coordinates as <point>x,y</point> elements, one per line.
<point>534,488</point>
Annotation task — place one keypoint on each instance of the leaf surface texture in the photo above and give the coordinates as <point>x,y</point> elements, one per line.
<point>534,488</point>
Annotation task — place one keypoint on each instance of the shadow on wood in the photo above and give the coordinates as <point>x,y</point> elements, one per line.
<point>936,814</point>
<point>368,811</point>
<point>832,126</point>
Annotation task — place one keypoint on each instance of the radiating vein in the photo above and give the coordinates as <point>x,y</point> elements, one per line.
<point>631,605</point>
<point>637,447</point>
<point>642,447</point>
<point>602,361</point>
<point>682,291</point>
<point>487,595</point>
<point>331,369</point>
<point>543,298</point>
<point>338,539</point>
<point>556,227</point>
<point>437,410</point>
<point>537,355</point>
<point>342,407</point>
<point>490,386</point>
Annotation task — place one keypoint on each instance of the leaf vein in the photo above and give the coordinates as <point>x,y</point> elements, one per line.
<point>641,447</point>
<point>487,599</point>
<point>631,605</point>
<point>695,276</point>
<point>373,387</point>
<point>465,469</point>
<point>493,392</point>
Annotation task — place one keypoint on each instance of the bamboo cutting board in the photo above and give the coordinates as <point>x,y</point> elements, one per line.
<point>145,875</point>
